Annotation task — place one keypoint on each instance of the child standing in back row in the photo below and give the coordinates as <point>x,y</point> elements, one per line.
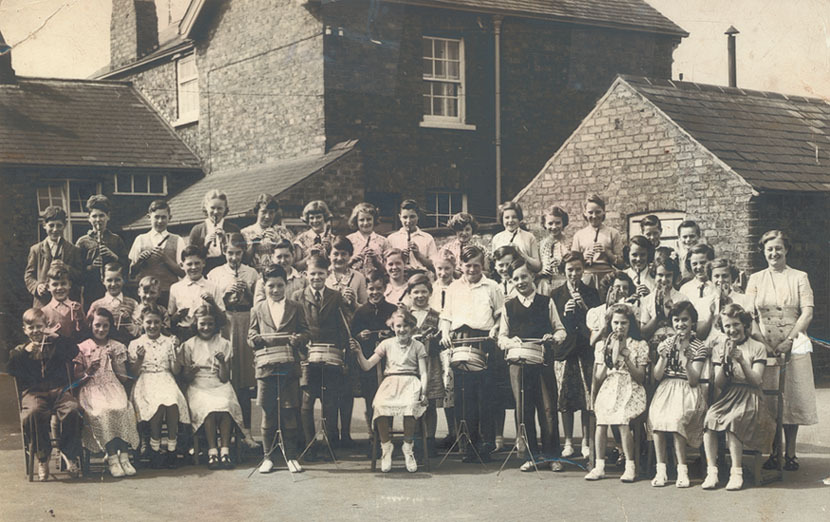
<point>157,252</point>
<point>417,246</point>
<point>552,249</point>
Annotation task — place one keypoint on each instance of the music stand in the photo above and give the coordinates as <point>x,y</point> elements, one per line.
<point>322,429</point>
<point>521,430</point>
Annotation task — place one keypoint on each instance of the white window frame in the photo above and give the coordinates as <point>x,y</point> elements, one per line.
<point>669,220</point>
<point>434,219</point>
<point>64,198</point>
<point>121,191</point>
<point>448,122</point>
<point>187,85</point>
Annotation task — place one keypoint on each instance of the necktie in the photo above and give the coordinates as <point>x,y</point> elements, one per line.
<point>443,298</point>
<point>317,297</point>
<point>701,289</point>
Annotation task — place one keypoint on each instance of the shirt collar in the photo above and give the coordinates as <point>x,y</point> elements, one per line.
<point>156,236</point>
<point>526,301</point>
<point>198,282</point>
<point>210,227</point>
<point>276,303</point>
<point>110,298</point>
<point>473,285</point>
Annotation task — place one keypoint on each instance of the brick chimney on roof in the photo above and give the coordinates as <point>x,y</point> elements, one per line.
<point>133,31</point>
<point>6,71</point>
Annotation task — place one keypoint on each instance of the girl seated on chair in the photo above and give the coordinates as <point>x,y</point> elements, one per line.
<point>619,372</point>
<point>740,411</point>
<point>210,395</point>
<point>679,404</point>
<point>404,387</point>
<point>100,366</point>
<point>157,399</point>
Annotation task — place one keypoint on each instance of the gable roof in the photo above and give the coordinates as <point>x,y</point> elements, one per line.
<point>243,185</point>
<point>626,14</point>
<point>85,123</point>
<point>775,142</point>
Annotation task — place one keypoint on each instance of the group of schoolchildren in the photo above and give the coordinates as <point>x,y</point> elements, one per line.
<point>211,304</point>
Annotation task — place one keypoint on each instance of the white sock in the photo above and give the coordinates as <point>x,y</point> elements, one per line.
<point>213,451</point>
<point>171,445</point>
<point>737,471</point>
<point>599,464</point>
<point>661,468</point>
<point>155,444</point>
<point>225,451</point>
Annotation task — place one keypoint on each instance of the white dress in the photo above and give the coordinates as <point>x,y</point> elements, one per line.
<point>398,394</point>
<point>156,386</point>
<point>207,394</point>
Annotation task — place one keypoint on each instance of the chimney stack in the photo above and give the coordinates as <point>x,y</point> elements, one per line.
<point>733,73</point>
<point>6,71</point>
<point>133,31</point>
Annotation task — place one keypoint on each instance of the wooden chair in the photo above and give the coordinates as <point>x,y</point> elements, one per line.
<point>397,435</point>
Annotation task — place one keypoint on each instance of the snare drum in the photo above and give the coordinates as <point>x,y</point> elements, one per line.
<point>532,354</point>
<point>273,356</point>
<point>468,355</point>
<point>327,354</point>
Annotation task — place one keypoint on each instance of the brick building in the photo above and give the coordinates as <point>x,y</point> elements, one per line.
<point>738,162</point>
<point>64,140</point>
<point>265,81</point>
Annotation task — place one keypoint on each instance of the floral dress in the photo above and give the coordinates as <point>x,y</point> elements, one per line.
<point>108,413</point>
<point>156,385</point>
<point>620,398</point>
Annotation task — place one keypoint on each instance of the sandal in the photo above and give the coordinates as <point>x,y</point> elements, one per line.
<point>791,463</point>
<point>771,463</point>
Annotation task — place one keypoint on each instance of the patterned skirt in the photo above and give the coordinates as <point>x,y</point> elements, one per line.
<point>573,381</point>
<point>619,399</point>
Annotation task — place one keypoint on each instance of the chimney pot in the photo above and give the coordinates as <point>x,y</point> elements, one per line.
<point>730,45</point>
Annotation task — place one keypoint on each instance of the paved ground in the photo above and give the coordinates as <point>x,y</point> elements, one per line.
<point>352,492</point>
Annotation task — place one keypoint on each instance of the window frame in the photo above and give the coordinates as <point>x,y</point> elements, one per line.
<point>458,122</point>
<point>132,192</point>
<point>73,219</point>
<point>434,218</point>
<point>193,115</point>
<point>668,217</point>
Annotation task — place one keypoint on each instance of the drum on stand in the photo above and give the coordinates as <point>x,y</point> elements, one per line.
<point>278,352</point>
<point>468,355</point>
<point>531,352</point>
<point>326,354</point>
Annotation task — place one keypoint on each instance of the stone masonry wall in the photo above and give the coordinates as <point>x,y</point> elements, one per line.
<point>639,161</point>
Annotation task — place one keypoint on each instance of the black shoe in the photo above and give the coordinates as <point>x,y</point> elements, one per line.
<point>791,463</point>
<point>226,462</point>
<point>772,462</point>
<point>156,459</point>
<point>346,442</point>
<point>447,442</point>
<point>213,462</point>
<point>172,460</point>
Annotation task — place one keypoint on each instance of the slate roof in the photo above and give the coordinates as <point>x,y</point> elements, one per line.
<point>776,142</point>
<point>243,185</point>
<point>634,14</point>
<point>85,123</point>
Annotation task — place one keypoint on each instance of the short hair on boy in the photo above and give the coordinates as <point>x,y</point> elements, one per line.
<point>57,272</point>
<point>284,243</point>
<point>392,252</point>
<point>193,250</point>
<point>458,221</point>
<point>54,213</point>
<point>99,202</point>
<point>377,275</point>
<point>651,221</point>
<point>215,194</point>
<point>33,314</point>
<point>595,199</point>
<point>735,311</point>
<point>510,205</point>
<point>445,255</point>
<point>236,240</point>
<point>517,263</point>
<point>159,204</point>
<point>112,266</point>
<point>153,309</point>
<point>506,250</point>
<point>149,282</point>
<point>318,206</point>
<point>319,262</point>
<point>471,252</point>
<point>556,211</point>
<point>410,204</point>
<point>689,224</point>
<point>274,271</point>
<point>642,242</point>
<point>366,208</point>
<point>608,281</point>
<point>684,306</point>
<point>569,257</point>
<point>343,244</point>
<point>722,262</point>
<point>267,201</point>
<point>418,279</point>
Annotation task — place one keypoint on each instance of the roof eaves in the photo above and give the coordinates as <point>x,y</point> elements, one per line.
<point>150,59</point>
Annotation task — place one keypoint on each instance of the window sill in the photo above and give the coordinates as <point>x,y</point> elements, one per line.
<point>185,122</point>
<point>447,125</point>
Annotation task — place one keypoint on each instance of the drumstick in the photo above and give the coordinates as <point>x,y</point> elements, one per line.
<point>345,323</point>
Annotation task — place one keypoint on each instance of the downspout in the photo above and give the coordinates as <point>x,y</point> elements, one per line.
<point>497,20</point>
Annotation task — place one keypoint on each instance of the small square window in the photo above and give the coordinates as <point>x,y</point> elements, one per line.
<point>141,184</point>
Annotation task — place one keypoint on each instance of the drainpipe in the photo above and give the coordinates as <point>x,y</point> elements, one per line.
<point>497,20</point>
<point>733,74</point>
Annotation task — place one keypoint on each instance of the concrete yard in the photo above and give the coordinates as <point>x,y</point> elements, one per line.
<point>456,491</point>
